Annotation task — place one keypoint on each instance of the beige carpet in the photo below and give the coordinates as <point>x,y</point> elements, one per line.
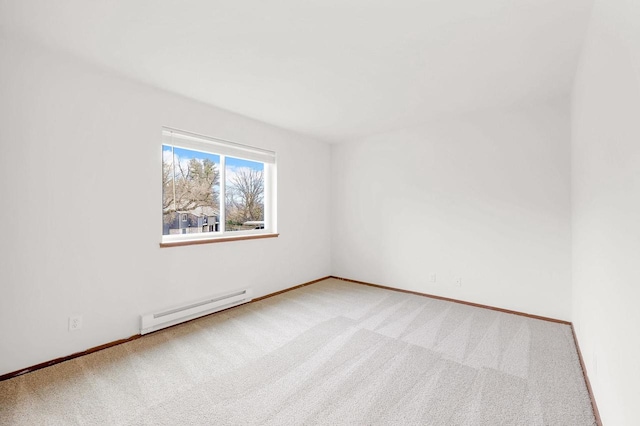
<point>330,353</point>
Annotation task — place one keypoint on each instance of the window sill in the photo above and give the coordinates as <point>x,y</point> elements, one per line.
<point>216,240</point>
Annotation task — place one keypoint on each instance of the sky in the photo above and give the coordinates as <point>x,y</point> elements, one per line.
<point>232,163</point>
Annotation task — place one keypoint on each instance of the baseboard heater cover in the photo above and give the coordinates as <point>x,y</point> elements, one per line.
<point>176,315</point>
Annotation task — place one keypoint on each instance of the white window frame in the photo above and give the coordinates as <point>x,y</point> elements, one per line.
<point>223,148</point>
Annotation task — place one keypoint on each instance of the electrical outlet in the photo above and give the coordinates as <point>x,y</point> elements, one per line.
<point>75,322</point>
<point>458,281</point>
<point>432,278</point>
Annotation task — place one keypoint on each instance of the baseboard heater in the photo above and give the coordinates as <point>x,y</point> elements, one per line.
<point>168,317</point>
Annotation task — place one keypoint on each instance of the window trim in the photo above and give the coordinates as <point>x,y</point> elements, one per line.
<point>210,240</point>
<point>223,148</point>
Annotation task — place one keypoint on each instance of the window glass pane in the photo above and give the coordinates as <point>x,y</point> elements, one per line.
<point>190,191</point>
<point>244,194</point>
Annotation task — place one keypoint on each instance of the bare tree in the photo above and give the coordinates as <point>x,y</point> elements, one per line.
<point>189,186</point>
<point>245,196</point>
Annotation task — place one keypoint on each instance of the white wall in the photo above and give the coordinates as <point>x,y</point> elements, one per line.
<point>484,197</point>
<point>80,167</point>
<point>606,208</point>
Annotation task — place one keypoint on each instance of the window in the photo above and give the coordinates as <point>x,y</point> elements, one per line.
<point>214,189</point>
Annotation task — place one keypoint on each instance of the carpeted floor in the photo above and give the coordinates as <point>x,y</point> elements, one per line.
<point>330,353</point>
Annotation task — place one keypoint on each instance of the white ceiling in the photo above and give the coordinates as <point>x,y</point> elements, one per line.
<point>334,69</point>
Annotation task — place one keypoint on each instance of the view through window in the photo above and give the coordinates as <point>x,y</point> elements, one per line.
<point>244,195</point>
<point>205,190</point>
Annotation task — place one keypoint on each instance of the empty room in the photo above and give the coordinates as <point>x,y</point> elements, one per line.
<point>338,212</point>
